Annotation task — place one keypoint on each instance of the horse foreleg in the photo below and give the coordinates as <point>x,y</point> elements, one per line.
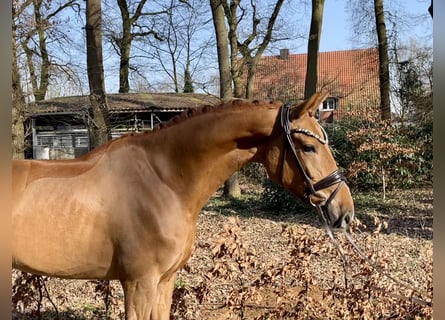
<point>145,299</point>
<point>162,306</point>
<point>140,297</point>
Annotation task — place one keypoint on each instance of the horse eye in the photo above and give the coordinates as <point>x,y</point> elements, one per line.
<point>309,148</point>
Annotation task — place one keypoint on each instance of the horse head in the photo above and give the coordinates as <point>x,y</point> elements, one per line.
<point>301,160</point>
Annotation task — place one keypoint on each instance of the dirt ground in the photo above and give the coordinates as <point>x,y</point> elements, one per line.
<point>250,264</point>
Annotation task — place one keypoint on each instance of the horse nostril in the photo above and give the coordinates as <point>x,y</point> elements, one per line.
<point>347,218</point>
<point>343,221</point>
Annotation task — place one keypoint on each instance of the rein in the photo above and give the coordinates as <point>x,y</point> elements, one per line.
<point>336,177</point>
<point>374,266</point>
<point>378,269</point>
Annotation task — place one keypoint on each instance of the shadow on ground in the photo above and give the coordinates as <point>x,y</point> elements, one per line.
<point>70,314</point>
<point>408,213</point>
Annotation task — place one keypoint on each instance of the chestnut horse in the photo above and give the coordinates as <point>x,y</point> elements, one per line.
<point>128,209</point>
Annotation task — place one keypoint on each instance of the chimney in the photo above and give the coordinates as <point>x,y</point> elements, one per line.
<point>284,54</point>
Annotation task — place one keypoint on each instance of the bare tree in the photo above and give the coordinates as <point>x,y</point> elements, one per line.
<point>313,48</point>
<point>369,25</point>
<point>41,30</point>
<point>227,15</point>
<point>168,38</point>
<point>251,56</point>
<point>38,89</point>
<point>131,29</point>
<point>99,109</point>
<point>254,44</point>
<point>185,42</point>
<point>193,22</point>
<point>413,84</point>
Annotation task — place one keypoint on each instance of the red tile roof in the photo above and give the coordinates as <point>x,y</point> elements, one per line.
<point>350,75</point>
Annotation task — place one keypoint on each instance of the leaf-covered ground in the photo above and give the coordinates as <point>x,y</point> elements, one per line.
<point>250,264</point>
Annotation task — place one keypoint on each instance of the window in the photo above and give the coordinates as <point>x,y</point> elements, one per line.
<point>81,141</point>
<point>45,141</point>
<point>329,104</point>
<point>62,140</point>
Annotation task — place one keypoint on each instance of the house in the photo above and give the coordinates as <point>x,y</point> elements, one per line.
<point>59,128</point>
<point>350,76</point>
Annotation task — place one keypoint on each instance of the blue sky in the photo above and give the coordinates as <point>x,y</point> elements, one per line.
<point>336,33</point>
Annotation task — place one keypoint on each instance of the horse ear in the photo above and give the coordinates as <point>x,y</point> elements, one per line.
<point>309,106</point>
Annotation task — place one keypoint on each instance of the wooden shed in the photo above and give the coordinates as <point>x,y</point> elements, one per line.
<point>59,128</point>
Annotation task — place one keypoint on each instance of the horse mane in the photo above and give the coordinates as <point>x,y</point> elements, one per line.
<point>194,112</point>
<point>187,114</point>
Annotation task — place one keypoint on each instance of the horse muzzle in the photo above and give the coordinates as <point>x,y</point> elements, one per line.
<point>337,208</point>
<point>337,220</point>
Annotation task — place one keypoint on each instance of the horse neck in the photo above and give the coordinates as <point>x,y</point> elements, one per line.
<point>202,152</point>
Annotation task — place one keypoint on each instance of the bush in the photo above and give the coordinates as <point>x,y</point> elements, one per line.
<point>253,173</point>
<point>370,152</point>
<point>280,201</point>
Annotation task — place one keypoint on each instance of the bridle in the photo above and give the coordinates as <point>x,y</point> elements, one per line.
<point>336,177</point>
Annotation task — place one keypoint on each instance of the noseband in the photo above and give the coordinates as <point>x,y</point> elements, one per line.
<point>335,177</point>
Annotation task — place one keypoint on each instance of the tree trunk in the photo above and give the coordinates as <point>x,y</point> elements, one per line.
<point>231,186</point>
<point>385,104</point>
<point>188,81</point>
<point>40,87</point>
<point>124,66</point>
<point>250,81</point>
<point>18,104</point>
<point>235,64</point>
<point>222,47</point>
<point>101,123</point>
<point>124,40</point>
<point>310,86</point>
<point>40,93</point>
<point>124,44</point>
